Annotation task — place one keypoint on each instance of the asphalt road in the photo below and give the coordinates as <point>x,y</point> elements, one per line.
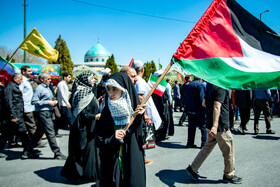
<point>257,162</point>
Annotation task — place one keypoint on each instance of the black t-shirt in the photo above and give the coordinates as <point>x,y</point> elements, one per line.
<point>215,93</point>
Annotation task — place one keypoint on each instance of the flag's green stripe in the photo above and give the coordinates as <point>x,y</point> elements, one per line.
<point>218,72</point>
<point>154,78</point>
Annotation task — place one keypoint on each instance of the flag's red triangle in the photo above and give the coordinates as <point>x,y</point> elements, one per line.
<point>213,36</point>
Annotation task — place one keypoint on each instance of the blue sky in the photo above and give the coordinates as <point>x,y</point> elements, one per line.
<point>123,34</point>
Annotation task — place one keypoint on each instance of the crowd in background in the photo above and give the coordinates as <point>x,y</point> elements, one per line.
<point>33,110</point>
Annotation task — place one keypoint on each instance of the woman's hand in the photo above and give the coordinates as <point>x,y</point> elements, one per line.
<point>120,134</point>
<point>97,116</point>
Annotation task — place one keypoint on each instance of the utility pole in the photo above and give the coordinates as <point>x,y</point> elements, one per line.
<point>24,29</point>
<point>263,13</point>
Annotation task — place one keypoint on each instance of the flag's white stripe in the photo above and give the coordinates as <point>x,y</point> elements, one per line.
<point>160,87</point>
<point>254,60</point>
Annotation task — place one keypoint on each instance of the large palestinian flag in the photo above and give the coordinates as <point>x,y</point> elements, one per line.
<point>231,48</point>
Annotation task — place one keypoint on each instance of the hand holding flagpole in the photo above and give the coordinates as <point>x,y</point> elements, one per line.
<point>151,92</point>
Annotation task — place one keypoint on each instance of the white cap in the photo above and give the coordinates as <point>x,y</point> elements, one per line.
<point>158,72</point>
<point>137,65</point>
<point>105,71</point>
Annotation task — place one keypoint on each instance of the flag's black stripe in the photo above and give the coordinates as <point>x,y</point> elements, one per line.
<point>252,30</point>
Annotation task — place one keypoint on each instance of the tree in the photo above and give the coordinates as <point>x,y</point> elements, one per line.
<point>149,68</point>
<point>18,57</point>
<point>110,63</point>
<point>64,57</point>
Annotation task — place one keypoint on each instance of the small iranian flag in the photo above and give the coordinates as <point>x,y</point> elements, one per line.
<point>161,87</point>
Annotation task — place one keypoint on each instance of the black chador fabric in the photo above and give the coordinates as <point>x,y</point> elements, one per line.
<point>163,108</point>
<point>82,161</point>
<point>134,173</point>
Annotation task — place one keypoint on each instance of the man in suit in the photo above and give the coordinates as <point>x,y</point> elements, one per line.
<point>196,112</point>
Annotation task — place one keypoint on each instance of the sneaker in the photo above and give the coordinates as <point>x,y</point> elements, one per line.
<point>191,173</point>
<point>60,157</point>
<point>191,146</point>
<point>147,162</point>
<point>241,130</point>
<point>270,132</point>
<point>234,180</point>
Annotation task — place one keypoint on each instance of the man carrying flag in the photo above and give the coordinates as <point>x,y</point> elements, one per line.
<point>228,48</point>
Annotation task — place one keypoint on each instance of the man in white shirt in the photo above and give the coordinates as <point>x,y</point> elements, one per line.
<point>142,89</point>
<point>169,90</point>
<point>63,98</point>
<point>27,94</point>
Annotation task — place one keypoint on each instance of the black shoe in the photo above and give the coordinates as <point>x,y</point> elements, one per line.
<point>60,157</point>
<point>180,124</point>
<point>270,132</point>
<point>29,155</point>
<point>191,173</point>
<point>256,132</point>
<point>234,180</point>
<point>191,146</point>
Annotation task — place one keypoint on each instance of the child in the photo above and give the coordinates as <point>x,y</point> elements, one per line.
<point>121,153</point>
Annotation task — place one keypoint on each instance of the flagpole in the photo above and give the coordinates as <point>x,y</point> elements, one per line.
<point>9,59</point>
<point>151,92</point>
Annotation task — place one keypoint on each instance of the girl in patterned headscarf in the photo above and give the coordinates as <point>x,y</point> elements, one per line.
<point>121,153</point>
<point>82,159</point>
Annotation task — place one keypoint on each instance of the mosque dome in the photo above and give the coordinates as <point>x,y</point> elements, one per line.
<point>97,53</point>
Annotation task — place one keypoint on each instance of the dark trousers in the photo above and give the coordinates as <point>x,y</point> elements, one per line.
<point>30,123</point>
<point>45,125</point>
<point>66,116</point>
<point>177,104</point>
<point>244,116</point>
<point>194,120</point>
<point>262,105</point>
<point>11,129</point>
<point>183,117</point>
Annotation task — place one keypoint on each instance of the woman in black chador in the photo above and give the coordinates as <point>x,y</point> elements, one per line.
<point>82,159</point>
<point>121,153</point>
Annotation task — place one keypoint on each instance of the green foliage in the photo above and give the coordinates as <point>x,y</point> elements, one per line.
<point>64,57</point>
<point>149,68</point>
<point>110,63</point>
<point>8,58</point>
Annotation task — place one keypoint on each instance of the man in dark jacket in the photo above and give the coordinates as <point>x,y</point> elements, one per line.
<point>195,112</point>
<point>14,112</point>
<point>244,101</point>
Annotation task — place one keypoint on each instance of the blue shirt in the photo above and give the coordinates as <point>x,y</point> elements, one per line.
<point>176,90</point>
<point>262,94</point>
<point>41,98</point>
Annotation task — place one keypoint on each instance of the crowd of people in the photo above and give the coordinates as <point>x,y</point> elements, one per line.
<point>101,148</point>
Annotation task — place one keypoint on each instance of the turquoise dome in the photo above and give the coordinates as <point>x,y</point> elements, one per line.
<point>97,51</point>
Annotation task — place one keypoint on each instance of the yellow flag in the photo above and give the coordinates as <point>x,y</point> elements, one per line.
<point>35,44</point>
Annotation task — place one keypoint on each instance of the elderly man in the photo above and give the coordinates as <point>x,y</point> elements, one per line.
<point>44,103</point>
<point>131,73</point>
<point>14,112</point>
